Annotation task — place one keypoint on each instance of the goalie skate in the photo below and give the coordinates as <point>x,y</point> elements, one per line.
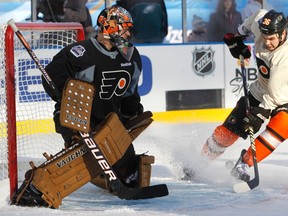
<point>27,194</point>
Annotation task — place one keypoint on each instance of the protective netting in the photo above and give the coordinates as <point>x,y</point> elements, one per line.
<point>3,124</point>
<point>35,133</point>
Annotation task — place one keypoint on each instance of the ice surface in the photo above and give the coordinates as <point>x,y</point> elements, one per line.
<point>175,146</point>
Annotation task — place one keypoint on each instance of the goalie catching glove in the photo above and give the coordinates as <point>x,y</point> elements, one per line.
<point>237,46</point>
<point>255,118</point>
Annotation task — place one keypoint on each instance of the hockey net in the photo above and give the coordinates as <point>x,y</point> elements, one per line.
<point>26,111</point>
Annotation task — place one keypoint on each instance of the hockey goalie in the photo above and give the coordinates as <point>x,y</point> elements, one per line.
<point>99,114</point>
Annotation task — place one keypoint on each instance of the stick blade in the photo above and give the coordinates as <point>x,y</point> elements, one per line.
<point>241,187</point>
<point>149,192</point>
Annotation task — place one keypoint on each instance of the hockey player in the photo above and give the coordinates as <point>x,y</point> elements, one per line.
<point>113,65</point>
<point>268,95</point>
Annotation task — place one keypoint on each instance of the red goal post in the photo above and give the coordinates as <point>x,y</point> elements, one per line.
<point>26,125</point>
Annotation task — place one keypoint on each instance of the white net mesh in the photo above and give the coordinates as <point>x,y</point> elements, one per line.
<point>3,125</point>
<point>35,133</point>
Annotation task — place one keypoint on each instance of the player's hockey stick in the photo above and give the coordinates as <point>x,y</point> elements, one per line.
<point>246,186</point>
<point>119,188</point>
<point>33,56</point>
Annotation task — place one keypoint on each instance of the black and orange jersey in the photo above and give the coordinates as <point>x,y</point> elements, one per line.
<point>115,78</point>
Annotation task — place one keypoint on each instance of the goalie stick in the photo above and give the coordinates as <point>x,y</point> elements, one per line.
<point>12,24</point>
<point>253,183</point>
<point>122,191</point>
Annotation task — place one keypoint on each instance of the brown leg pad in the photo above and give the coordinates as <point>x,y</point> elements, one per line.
<point>112,138</point>
<point>137,125</point>
<point>145,170</point>
<point>101,181</point>
<point>64,173</point>
<point>134,133</point>
<point>72,168</point>
<point>135,128</point>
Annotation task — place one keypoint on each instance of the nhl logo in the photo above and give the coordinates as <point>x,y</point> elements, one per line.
<point>77,51</point>
<point>203,62</point>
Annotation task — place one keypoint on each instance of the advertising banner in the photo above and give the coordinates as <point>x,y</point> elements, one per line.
<point>178,68</point>
<point>233,80</point>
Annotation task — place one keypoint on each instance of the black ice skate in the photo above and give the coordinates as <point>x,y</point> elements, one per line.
<point>27,194</point>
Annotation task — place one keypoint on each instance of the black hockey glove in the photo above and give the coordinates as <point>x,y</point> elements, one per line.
<point>237,46</point>
<point>255,118</point>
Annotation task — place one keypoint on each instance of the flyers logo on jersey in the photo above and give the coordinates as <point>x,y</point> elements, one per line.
<point>114,83</point>
<point>263,68</point>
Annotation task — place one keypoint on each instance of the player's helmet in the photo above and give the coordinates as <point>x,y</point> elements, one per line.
<point>273,23</point>
<point>112,20</point>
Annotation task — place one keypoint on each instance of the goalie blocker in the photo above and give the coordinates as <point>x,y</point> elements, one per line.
<point>71,168</point>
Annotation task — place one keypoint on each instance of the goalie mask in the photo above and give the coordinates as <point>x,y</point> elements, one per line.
<point>113,22</point>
